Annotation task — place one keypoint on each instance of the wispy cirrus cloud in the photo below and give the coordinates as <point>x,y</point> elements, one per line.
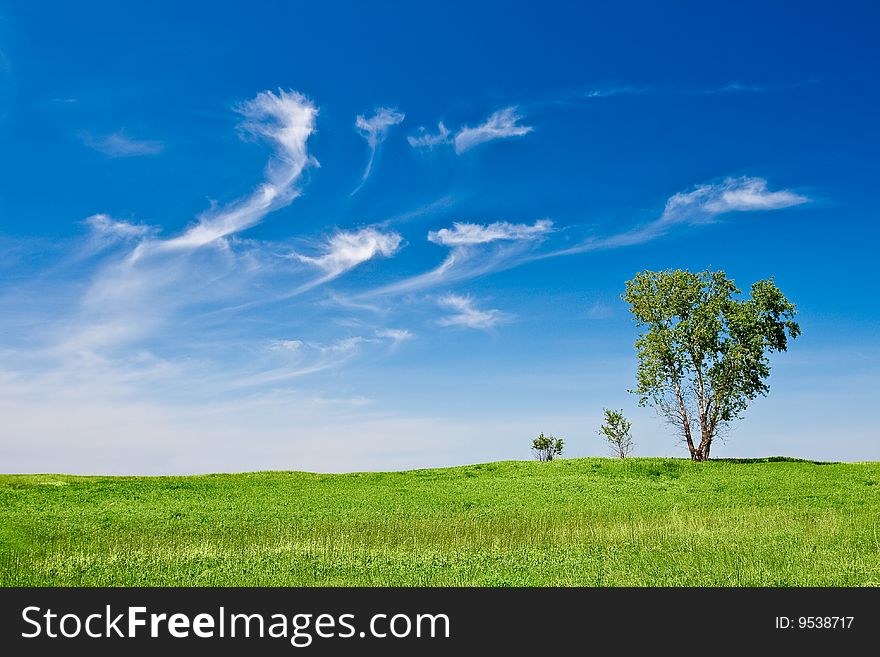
<point>466,233</point>
<point>601,91</point>
<point>120,144</point>
<point>743,194</point>
<point>430,208</point>
<point>285,345</point>
<point>285,119</point>
<point>395,335</point>
<point>701,205</point>
<point>105,226</point>
<point>135,292</point>
<point>345,250</point>
<point>375,129</point>
<point>428,140</point>
<point>479,249</point>
<point>299,358</point>
<point>476,249</point>
<point>630,90</point>
<point>502,124</point>
<point>466,314</point>
<point>294,358</point>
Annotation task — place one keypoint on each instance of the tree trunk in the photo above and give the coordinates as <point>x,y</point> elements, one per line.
<point>701,453</point>
<point>684,420</point>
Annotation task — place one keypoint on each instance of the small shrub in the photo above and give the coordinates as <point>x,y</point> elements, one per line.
<point>616,432</point>
<point>545,448</point>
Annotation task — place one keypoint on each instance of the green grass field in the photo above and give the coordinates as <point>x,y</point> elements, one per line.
<point>580,522</point>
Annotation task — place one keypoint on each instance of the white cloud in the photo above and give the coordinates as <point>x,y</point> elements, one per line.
<point>133,296</point>
<point>341,301</point>
<point>338,254</point>
<point>285,345</point>
<point>345,250</point>
<point>465,314</point>
<point>375,130</point>
<point>476,249</point>
<point>427,140</point>
<point>294,359</point>
<point>287,119</point>
<point>467,233</point>
<point>119,144</point>
<point>395,335</point>
<point>500,125</point>
<point>743,194</point>
<point>105,226</point>
<point>451,269</point>
<point>345,345</point>
<point>297,358</point>
<point>700,205</point>
<point>128,300</point>
<point>428,209</point>
<point>137,295</point>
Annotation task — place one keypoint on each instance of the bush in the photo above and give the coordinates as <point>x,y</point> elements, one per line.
<point>616,432</point>
<point>545,448</point>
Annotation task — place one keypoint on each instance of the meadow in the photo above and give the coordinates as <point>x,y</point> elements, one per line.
<point>570,522</point>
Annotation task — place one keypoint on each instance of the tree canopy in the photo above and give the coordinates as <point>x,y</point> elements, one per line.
<point>703,355</point>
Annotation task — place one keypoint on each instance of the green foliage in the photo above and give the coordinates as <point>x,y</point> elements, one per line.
<point>616,430</point>
<point>703,355</point>
<point>546,448</point>
<point>572,522</point>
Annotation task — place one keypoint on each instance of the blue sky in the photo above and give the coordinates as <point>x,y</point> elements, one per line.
<point>339,236</point>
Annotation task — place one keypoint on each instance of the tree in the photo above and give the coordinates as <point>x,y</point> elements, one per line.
<point>704,353</point>
<point>545,448</point>
<point>616,431</point>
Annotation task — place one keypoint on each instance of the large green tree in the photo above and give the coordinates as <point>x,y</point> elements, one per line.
<point>703,355</point>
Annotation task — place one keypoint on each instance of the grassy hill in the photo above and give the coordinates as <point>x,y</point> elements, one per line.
<point>582,522</point>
